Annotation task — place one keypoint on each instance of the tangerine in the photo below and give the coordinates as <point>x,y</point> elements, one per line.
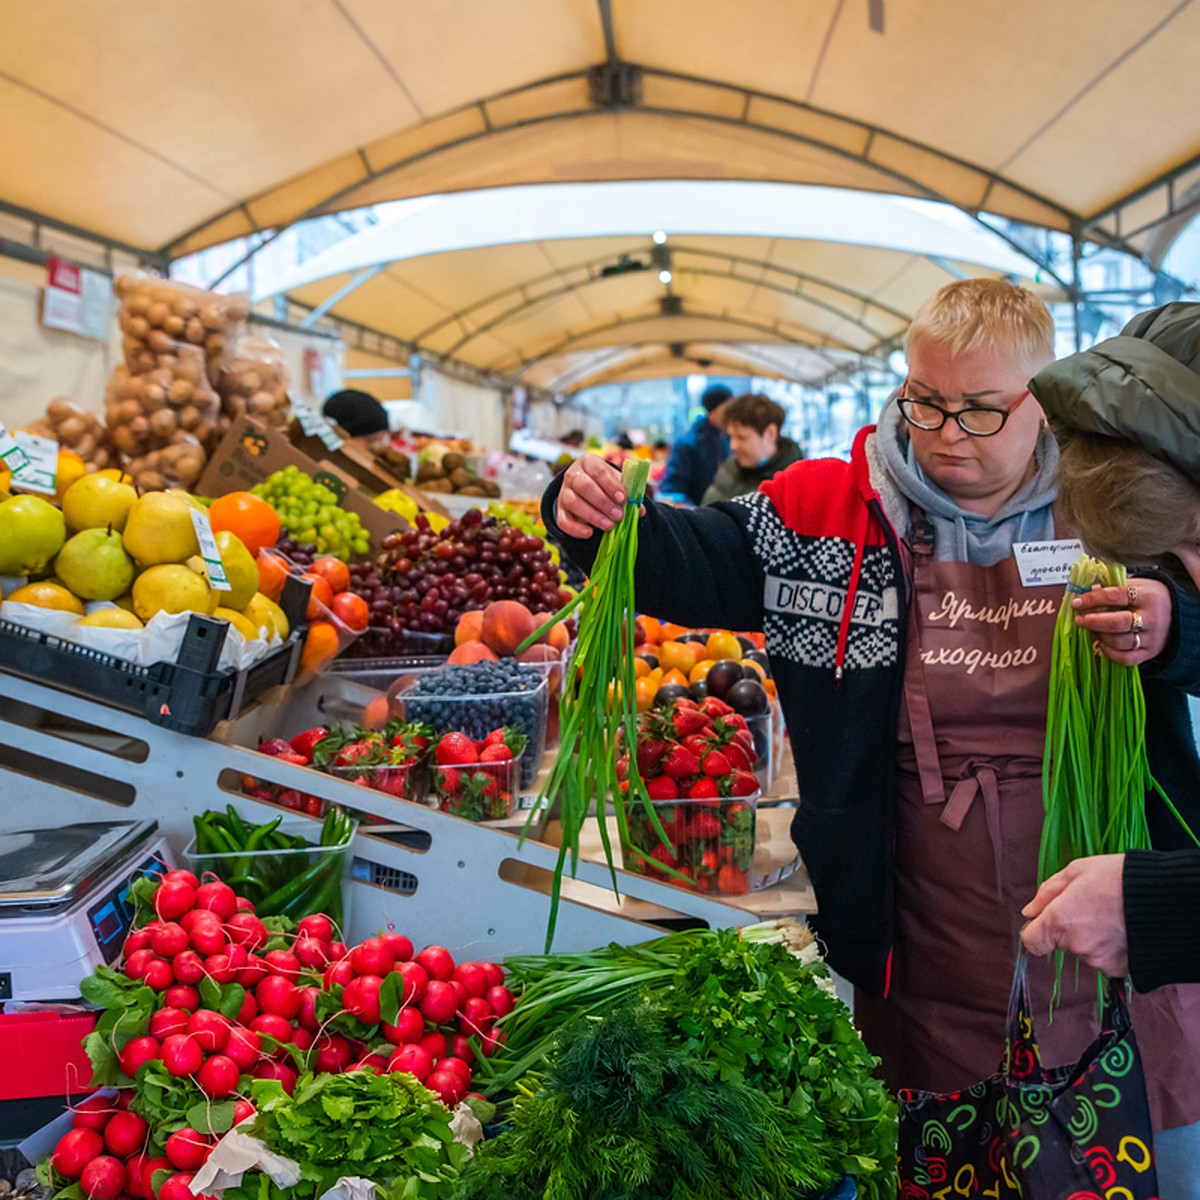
<point>320,645</point>
<point>272,572</point>
<point>248,516</point>
<point>645,691</point>
<point>68,469</point>
<point>674,676</point>
<point>320,597</point>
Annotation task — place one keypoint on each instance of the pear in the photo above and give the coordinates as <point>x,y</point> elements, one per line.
<point>239,621</point>
<point>187,497</point>
<point>266,614</point>
<point>32,532</point>
<point>96,502</point>
<point>159,530</point>
<point>94,565</point>
<point>112,618</point>
<point>172,588</point>
<point>240,569</point>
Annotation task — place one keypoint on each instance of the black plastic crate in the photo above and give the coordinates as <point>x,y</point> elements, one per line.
<point>189,695</point>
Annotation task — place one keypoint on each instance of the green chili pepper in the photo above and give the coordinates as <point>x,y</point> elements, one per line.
<point>237,827</point>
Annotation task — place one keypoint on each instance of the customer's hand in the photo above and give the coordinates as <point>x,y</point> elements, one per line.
<point>1082,910</point>
<point>591,499</point>
<point>1130,624</point>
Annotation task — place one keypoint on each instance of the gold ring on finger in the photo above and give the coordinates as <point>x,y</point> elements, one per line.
<point>1138,624</point>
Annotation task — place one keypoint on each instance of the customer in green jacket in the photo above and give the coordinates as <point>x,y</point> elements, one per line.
<point>757,449</point>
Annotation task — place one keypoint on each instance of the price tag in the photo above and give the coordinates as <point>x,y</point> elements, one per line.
<point>1047,564</point>
<point>209,552</point>
<point>41,463</point>
<point>307,419</point>
<point>315,425</point>
<point>11,453</point>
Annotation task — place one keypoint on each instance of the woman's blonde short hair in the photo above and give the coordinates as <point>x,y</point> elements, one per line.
<point>973,313</point>
<point>1126,505</point>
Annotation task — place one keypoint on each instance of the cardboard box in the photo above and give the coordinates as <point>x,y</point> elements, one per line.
<point>250,452</point>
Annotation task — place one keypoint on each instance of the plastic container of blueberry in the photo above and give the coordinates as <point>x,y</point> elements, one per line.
<point>479,697</point>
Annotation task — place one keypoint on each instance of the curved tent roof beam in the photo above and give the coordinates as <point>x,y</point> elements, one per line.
<point>897,163</point>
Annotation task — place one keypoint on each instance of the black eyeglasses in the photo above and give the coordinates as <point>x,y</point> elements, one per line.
<point>978,422</point>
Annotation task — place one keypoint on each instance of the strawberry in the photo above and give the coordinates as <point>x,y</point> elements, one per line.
<point>698,744</point>
<point>743,783</point>
<point>304,743</point>
<point>704,789</point>
<point>660,854</point>
<point>494,738</point>
<point>705,825</point>
<point>650,752</point>
<point>662,788</point>
<point>273,747</point>
<point>689,720</point>
<point>680,763</point>
<point>455,749</point>
<point>709,861</point>
<point>732,882</point>
<point>713,707</point>
<point>716,764</point>
<point>739,760</point>
<point>495,752</point>
<point>361,752</point>
<point>737,720</point>
<point>449,782</point>
<point>702,883</point>
<point>686,702</point>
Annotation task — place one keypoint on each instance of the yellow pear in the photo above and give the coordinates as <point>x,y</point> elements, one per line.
<point>172,588</point>
<point>47,595</point>
<point>240,569</point>
<point>125,601</point>
<point>96,502</point>
<point>94,565</point>
<point>240,622</point>
<point>159,529</point>
<point>112,618</point>
<point>264,613</point>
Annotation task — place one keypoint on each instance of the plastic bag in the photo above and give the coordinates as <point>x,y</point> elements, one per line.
<point>255,384</point>
<point>73,428</point>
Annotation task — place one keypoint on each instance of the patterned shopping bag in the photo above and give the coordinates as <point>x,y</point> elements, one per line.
<point>1079,1132</point>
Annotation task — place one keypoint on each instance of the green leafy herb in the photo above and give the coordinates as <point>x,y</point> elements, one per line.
<point>128,1005</point>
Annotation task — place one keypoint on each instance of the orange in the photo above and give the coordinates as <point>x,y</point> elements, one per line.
<point>333,571</point>
<point>251,518</point>
<point>646,689</point>
<point>670,632</point>
<point>652,627</point>
<point>641,667</point>
<point>320,598</point>
<point>47,594</point>
<point>272,571</point>
<point>700,670</point>
<point>676,677</point>
<point>70,467</point>
<point>723,645</point>
<point>320,645</point>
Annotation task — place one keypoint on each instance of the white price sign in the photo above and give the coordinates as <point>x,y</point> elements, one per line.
<point>40,471</point>
<point>209,552</point>
<point>11,453</point>
<point>314,424</point>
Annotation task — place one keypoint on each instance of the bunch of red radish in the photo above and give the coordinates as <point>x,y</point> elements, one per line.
<point>207,930</point>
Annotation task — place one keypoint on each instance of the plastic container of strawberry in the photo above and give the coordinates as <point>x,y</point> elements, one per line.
<point>406,781</point>
<point>712,843</point>
<point>478,791</point>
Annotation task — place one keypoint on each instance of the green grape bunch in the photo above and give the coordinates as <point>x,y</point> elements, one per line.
<point>310,512</point>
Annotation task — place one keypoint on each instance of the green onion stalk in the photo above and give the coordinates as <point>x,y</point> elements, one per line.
<point>597,707</point>
<point>1096,772</point>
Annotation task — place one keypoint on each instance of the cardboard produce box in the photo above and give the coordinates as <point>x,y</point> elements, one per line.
<point>249,452</point>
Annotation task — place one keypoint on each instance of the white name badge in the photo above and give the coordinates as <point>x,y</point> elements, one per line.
<point>1047,564</point>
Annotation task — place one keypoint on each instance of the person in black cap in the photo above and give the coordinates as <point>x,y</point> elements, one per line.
<point>697,455</point>
<point>357,413</point>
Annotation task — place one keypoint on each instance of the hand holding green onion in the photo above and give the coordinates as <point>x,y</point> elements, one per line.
<point>1112,620</point>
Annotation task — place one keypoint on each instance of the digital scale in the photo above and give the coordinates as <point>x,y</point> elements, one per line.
<point>64,906</point>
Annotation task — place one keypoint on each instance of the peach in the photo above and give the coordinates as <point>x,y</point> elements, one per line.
<point>471,652</point>
<point>557,636</point>
<point>469,627</point>
<point>541,653</point>
<point>506,624</point>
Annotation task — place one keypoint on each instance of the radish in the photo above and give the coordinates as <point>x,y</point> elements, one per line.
<point>93,1113</point>
<point>137,962</point>
<point>491,1040</point>
<point>218,898</point>
<point>248,1011</point>
<point>477,1017</point>
<point>372,957</point>
<point>438,962</point>
<point>135,1171</point>
<point>416,980</point>
<point>103,1178</point>
<point>273,1025</point>
<point>197,916</point>
<point>500,1000</point>
<point>460,1047</point>
<point>75,1150</point>
<point>181,1055</point>
<point>413,1059</point>
<point>158,975</point>
<point>447,1085</point>
<point>137,1051</point>
<point>338,974</point>
<point>245,929</point>
<point>439,1004</point>
<point>179,875</point>
<point>279,1071</point>
<point>174,899</point>
<point>178,1187</point>
<point>334,1054</point>
<point>361,998</point>
<point>243,1110</point>
<point>139,939</point>
<point>338,951</point>
<point>494,973</point>
<point>278,995</point>
<point>219,1076</point>
<point>316,925</point>
<point>436,1044</point>
<point>375,1063</point>
<point>182,996</point>
<point>188,966</point>
<point>244,1047</point>
<point>245,905</point>
<point>125,1135</point>
<point>283,962</point>
<point>187,1149</point>
<point>254,972</point>
<point>208,937</point>
<point>169,940</point>
<point>460,994</point>
<point>149,1167</point>
<point>311,952</point>
<point>302,1039</point>
<point>399,945</point>
<point>238,956</point>
<point>220,969</point>
<point>210,1029</point>
<point>473,978</point>
<point>409,1027</point>
<point>458,1067</point>
<point>306,1015</point>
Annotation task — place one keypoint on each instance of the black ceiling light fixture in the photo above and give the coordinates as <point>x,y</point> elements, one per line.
<point>671,305</point>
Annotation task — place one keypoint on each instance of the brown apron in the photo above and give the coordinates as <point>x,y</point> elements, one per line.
<point>968,823</point>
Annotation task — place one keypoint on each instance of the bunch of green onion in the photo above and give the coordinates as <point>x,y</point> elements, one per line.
<point>597,708</point>
<point>1096,773</point>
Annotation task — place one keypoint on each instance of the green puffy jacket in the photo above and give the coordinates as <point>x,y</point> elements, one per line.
<point>732,480</point>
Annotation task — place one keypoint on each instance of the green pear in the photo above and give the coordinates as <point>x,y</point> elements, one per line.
<point>160,530</point>
<point>96,502</point>
<point>94,565</point>
<point>32,532</point>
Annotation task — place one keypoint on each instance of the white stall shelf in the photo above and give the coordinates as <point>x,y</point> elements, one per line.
<point>475,889</point>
